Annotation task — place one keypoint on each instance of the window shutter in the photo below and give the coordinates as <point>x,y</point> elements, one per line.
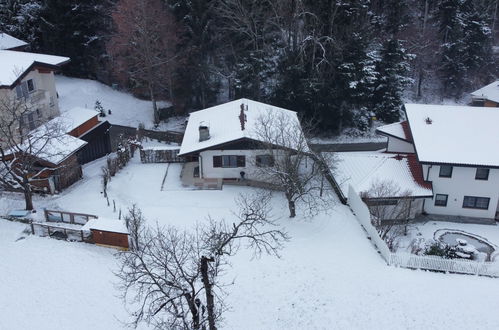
<point>217,161</point>
<point>241,161</point>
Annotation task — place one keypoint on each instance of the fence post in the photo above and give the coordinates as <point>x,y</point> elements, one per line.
<point>32,227</point>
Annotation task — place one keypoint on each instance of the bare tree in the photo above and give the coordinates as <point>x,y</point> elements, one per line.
<point>255,227</point>
<point>291,165</point>
<point>176,272</point>
<point>390,208</point>
<point>22,150</point>
<point>162,275</point>
<point>144,46</point>
<point>135,222</point>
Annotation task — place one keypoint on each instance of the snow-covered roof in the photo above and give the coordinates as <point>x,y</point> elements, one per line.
<point>455,134</point>
<point>395,129</point>
<point>363,169</point>
<point>8,42</point>
<point>57,149</point>
<point>489,92</point>
<point>106,224</point>
<point>75,117</point>
<point>14,64</point>
<point>225,126</point>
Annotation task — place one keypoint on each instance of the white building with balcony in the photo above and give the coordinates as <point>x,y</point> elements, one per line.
<point>30,77</point>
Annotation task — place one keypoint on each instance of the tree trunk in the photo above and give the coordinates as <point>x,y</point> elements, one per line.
<point>292,208</point>
<point>28,194</point>
<point>208,287</point>
<point>154,105</point>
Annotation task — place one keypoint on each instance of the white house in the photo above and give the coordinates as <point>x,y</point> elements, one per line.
<point>30,76</point>
<point>487,96</point>
<point>456,148</point>
<point>223,141</point>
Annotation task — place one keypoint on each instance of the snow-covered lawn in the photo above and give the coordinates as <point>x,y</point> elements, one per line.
<point>125,109</point>
<point>329,276</point>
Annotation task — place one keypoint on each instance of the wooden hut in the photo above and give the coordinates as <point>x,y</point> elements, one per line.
<point>108,232</point>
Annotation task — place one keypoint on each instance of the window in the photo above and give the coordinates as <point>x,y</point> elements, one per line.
<point>24,88</point>
<point>381,201</point>
<point>482,173</point>
<point>472,202</point>
<point>441,200</point>
<point>264,160</point>
<point>229,161</point>
<point>445,171</point>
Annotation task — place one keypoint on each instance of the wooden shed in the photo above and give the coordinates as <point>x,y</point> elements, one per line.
<point>108,232</point>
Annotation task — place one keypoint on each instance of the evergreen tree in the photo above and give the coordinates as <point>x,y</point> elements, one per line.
<point>21,19</point>
<point>392,70</point>
<point>76,29</point>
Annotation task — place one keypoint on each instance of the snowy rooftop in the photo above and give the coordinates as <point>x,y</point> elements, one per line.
<point>57,149</point>
<point>363,169</point>
<point>75,117</point>
<point>13,64</point>
<point>454,134</point>
<point>9,42</point>
<point>106,224</point>
<point>225,126</point>
<point>489,92</point>
<point>395,129</point>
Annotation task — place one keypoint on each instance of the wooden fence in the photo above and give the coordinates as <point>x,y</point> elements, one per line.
<point>67,217</point>
<point>412,261</point>
<point>160,155</point>
<point>60,232</point>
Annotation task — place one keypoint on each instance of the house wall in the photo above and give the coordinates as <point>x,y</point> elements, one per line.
<point>398,145</point>
<point>462,183</point>
<point>208,171</point>
<point>43,98</point>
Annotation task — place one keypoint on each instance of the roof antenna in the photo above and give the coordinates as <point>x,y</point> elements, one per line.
<point>428,120</point>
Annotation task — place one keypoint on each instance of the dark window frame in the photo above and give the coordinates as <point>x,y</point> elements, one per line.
<point>438,203</point>
<point>475,200</point>
<point>229,161</point>
<point>265,160</point>
<point>482,177</point>
<point>440,175</point>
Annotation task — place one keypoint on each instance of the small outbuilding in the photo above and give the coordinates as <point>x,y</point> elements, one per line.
<point>108,232</point>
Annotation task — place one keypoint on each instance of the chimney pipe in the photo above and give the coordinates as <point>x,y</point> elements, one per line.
<point>204,132</point>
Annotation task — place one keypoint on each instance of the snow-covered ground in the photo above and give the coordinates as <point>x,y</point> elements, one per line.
<point>329,276</point>
<point>125,109</point>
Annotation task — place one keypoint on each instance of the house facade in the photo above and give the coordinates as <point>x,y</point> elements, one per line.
<point>223,142</point>
<point>456,151</point>
<point>29,77</point>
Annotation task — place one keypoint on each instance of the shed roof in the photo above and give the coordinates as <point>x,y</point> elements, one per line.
<point>15,64</point>
<point>363,169</point>
<point>106,224</point>
<point>449,134</point>
<point>225,126</point>
<point>75,117</point>
<point>9,42</point>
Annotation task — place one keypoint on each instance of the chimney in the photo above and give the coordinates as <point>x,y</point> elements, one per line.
<point>242,116</point>
<point>204,132</point>
<point>428,121</point>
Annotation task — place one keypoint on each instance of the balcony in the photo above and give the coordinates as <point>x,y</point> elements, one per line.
<point>37,96</point>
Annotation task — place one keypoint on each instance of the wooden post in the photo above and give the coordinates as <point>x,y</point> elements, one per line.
<point>81,234</point>
<point>32,227</point>
<point>48,229</point>
<point>71,218</point>
<point>46,214</point>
